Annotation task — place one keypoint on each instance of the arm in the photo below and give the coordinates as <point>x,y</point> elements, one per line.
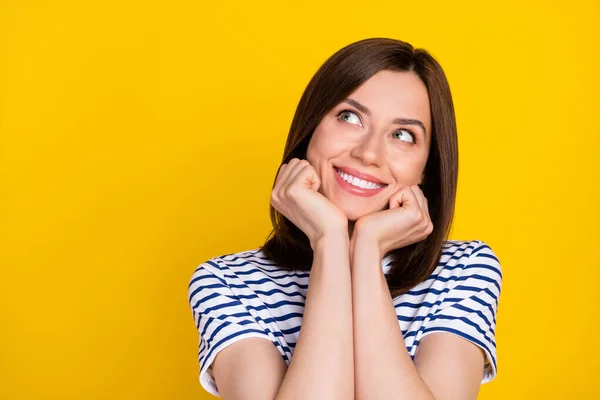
<point>322,364</point>
<point>383,368</point>
<point>249,369</point>
<point>446,366</point>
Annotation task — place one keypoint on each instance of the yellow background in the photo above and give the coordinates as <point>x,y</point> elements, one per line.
<point>138,139</point>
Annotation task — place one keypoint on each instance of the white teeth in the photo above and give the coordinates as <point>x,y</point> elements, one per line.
<point>361,183</point>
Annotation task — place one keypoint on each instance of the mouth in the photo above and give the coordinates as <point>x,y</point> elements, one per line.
<point>356,185</point>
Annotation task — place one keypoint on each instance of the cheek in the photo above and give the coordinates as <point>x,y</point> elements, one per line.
<point>314,153</point>
<point>325,143</point>
<point>408,172</point>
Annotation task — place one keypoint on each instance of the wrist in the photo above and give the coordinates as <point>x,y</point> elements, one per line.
<point>331,239</point>
<point>362,244</point>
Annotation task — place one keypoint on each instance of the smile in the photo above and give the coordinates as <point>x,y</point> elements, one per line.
<point>361,183</point>
<point>357,186</point>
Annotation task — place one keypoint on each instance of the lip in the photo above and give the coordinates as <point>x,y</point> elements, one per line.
<point>360,175</point>
<point>356,190</point>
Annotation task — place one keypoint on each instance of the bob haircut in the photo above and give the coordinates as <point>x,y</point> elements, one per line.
<point>335,80</point>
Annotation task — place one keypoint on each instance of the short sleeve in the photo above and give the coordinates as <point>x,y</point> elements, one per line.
<point>470,306</point>
<point>220,317</point>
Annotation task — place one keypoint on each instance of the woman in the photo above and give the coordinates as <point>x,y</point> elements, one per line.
<point>357,280</point>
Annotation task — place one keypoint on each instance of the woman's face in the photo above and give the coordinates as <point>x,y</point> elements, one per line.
<point>383,131</point>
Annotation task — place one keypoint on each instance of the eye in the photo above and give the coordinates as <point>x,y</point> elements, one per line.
<point>346,116</point>
<point>407,134</point>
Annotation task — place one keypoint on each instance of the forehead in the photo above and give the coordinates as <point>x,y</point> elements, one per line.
<point>391,94</point>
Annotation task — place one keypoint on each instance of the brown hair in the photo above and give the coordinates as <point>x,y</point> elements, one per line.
<point>336,79</point>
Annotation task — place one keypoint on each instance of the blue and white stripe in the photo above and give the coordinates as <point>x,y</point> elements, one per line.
<point>243,295</point>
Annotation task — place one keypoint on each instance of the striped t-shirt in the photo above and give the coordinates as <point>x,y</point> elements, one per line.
<point>244,295</point>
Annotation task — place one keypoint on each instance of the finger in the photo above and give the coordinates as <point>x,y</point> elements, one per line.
<point>424,206</point>
<point>309,177</point>
<point>396,199</point>
<point>404,198</point>
<point>425,201</point>
<point>295,169</point>
<point>420,198</point>
<point>285,172</point>
<point>411,200</point>
<point>280,175</point>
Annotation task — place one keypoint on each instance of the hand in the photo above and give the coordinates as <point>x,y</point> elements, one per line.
<point>397,226</point>
<point>296,196</point>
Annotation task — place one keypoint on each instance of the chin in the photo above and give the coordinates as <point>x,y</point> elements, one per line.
<point>354,214</point>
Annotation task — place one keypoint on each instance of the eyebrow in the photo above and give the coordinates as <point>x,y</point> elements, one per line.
<point>400,121</point>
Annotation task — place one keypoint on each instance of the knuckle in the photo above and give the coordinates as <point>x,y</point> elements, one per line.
<point>429,229</point>
<point>360,223</point>
<point>304,163</point>
<point>289,192</point>
<point>416,217</point>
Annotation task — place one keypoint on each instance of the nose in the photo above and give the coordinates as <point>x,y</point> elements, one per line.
<point>371,149</point>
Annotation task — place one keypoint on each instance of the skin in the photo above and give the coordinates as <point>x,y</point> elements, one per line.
<point>348,297</point>
<point>445,366</point>
<point>373,144</point>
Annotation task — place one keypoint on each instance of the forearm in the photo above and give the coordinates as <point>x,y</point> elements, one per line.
<point>322,364</point>
<point>383,367</point>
